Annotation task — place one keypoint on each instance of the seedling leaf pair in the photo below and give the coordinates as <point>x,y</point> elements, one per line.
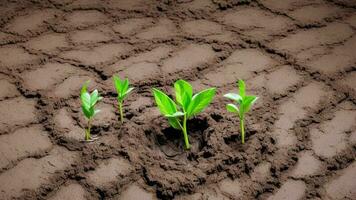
<point>244,103</point>
<point>186,106</point>
<point>88,106</point>
<point>89,101</point>
<point>123,89</point>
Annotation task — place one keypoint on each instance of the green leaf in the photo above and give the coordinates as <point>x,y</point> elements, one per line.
<point>118,83</point>
<point>232,108</point>
<point>94,97</point>
<point>234,97</point>
<point>184,93</point>
<point>86,112</point>
<point>242,88</point>
<point>91,111</point>
<point>89,101</point>
<point>85,98</point>
<point>122,88</point>
<point>200,101</point>
<point>126,93</point>
<point>248,102</point>
<point>176,114</point>
<point>165,104</point>
<point>125,87</point>
<point>174,123</point>
<point>129,90</point>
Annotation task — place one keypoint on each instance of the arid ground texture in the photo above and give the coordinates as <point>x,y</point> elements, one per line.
<point>298,56</point>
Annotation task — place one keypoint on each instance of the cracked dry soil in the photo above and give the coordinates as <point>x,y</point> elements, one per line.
<point>296,55</point>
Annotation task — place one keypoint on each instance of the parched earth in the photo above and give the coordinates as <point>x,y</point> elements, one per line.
<point>298,56</point>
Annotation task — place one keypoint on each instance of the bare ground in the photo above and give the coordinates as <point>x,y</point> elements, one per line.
<point>296,55</point>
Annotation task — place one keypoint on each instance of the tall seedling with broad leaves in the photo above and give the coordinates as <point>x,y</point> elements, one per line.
<point>88,107</point>
<point>122,89</point>
<point>244,103</point>
<point>186,106</point>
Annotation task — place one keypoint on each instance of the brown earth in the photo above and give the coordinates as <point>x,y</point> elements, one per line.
<point>296,55</point>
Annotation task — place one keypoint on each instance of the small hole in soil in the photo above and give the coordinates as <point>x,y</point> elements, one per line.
<point>173,138</point>
<point>216,117</point>
<point>172,133</point>
<point>207,154</point>
<point>129,115</point>
<point>95,130</point>
<point>197,125</point>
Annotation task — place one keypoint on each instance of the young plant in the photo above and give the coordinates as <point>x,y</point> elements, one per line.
<point>244,101</point>
<point>88,106</point>
<point>185,107</point>
<point>122,89</point>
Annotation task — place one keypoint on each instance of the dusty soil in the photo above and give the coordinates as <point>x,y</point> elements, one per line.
<point>296,55</point>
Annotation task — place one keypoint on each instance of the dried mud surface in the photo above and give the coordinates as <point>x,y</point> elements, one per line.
<point>296,55</point>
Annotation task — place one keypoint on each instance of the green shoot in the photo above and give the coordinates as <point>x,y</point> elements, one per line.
<point>245,103</point>
<point>185,107</point>
<point>122,89</point>
<point>88,107</point>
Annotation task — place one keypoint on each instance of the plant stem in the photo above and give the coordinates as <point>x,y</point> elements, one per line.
<point>185,134</point>
<point>87,131</point>
<point>121,113</point>
<point>242,130</point>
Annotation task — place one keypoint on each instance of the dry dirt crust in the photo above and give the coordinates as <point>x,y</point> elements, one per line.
<point>298,56</point>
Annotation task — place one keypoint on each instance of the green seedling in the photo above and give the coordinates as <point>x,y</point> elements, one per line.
<point>122,89</point>
<point>185,107</point>
<point>88,106</point>
<point>245,103</point>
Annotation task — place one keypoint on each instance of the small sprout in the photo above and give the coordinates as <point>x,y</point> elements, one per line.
<point>186,105</point>
<point>245,103</point>
<point>88,106</point>
<point>122,89</point>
